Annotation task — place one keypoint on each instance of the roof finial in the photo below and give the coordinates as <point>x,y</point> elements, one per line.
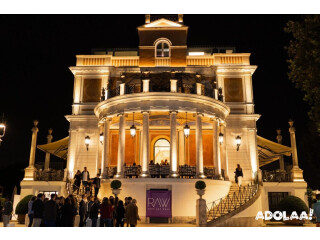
<point>147,18</point>
<point>180,18</point>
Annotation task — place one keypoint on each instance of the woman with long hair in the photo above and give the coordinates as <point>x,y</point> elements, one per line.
<point>120,211</point>
<point>238,175</point>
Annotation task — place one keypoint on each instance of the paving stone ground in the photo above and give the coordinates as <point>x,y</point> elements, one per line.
<point>271,224</point>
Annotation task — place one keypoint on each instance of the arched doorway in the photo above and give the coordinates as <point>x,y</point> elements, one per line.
<point>161,150</point>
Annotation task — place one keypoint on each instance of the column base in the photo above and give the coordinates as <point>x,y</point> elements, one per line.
<point>174,175</point>
<point>119,175</point>
<point>201,175</point>
<point>297,174</point>
<point>144,175</point>
<point>29,173</point>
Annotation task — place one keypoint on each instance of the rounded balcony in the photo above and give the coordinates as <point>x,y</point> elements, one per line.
<point>161,102</point>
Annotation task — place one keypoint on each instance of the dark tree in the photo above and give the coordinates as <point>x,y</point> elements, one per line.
<point>304,61</point>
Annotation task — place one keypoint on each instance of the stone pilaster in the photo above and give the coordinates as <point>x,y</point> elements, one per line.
<point>145,145</point>
<point>105,151</point>
<point>49,140</point>
<point>216,148</point>
<point>29,171</point>
<point>296,172</point>
<point>173,145</point>
<point>121,146</point>
<point>199,147</point>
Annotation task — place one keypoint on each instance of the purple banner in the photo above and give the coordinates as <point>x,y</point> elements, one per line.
<point>159,204</point>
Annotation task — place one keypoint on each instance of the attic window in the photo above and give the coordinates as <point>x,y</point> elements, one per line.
<point>162,49</point>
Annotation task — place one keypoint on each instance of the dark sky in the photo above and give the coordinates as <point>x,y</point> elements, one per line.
<point>35,82</point>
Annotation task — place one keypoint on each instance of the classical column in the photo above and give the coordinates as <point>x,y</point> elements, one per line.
<point>145,145</point>
<point>223,153</point>
<point>173,144</point>
<point>29,171</point>
<point>296,172</point>
<point>121,146</point>
<point>253,151</point>
<point>199,147</point>
<point>182,147</point>
<point>105,150</point>
<point>122,88</point>
<point>145,86</point>
<point>216,148</point>
<point>281,160</point>
<point>47,160</point>
<point>173,85</point>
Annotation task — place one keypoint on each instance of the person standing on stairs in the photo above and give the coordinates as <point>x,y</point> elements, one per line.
<point>96,184</point>
<point>238,175</point>
<point>85,177</point>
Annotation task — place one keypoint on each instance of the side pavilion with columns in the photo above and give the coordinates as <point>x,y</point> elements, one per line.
<point>192,107</point>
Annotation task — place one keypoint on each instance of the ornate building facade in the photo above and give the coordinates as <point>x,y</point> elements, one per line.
<point>190,107</point>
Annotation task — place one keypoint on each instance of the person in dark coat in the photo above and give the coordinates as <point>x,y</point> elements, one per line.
<point>77,182</point>
<point>94,212</point>
<point>38,208</point>
<point>132,215</point>
<point>50,212</point>
<point>30,211</point>
<point>97,185</point>
<point>7,211</point>
<point>106,211</point>
<point>120,212</point>
<point>69,212</point>
<point>83,210</point>
<point>238,175</point>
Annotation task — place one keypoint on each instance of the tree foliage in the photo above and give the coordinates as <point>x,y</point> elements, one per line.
<point>304,61</point>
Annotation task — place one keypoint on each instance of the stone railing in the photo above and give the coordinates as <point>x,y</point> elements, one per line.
<point>125,61</point>
<point>200,60</point>
<point>48,175</point>
<point>197,88</point>
<point>232,58</point>
<point>276,176</point>
<point>132,61</point>
<point>107,60</point>
<point>163,62</point>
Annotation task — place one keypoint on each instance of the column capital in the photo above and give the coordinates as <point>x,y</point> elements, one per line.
<point>199,114</point>
<point>145,112</point>
<point>173,111</point>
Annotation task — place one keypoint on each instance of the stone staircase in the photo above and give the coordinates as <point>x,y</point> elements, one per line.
<point>77,194</point>
<point>235,200</point>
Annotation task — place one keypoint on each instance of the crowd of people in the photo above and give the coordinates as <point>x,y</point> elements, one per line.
<point>62,212</point>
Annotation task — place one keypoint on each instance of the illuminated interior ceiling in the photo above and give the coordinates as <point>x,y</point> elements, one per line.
<point>270,151</point>
<point>58,148</point>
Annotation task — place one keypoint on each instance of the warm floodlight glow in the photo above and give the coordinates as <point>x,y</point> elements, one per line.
<point>238,141</point>
<point>87,142</point>
<point>220,138</point>
<point>2,129</point>
<point>196,53</point>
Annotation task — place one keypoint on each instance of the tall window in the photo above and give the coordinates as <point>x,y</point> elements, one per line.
<point>161,150</point>
<point>163,49</point>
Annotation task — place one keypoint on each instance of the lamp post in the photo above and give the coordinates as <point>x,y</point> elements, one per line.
<point>220,138</point>
<point>101,137</point>
<point>133,128</point>
<point>2,131</point>
<point>87,142</point>
<point>186,128</point>
<point>238,141</point>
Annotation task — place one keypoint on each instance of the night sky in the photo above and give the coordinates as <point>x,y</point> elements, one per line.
<point>35,82</point>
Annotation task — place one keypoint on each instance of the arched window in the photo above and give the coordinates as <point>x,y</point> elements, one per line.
<point>161,150</point>
<point>162,49</point>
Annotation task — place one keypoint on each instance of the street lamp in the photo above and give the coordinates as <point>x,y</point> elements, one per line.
<point>238,141</point>
<point>2,131</point>
<point>186,128</point>
<point>133,128</point>
<point>87,142</point>
<point>101,138</point>
<point>220,138</point>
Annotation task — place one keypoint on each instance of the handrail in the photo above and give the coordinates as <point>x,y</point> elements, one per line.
<point>227,204</point>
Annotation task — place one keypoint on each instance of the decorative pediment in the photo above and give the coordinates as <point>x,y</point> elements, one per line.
<point>162,23</point>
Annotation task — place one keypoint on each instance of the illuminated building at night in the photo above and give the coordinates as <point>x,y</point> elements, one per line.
<point>191,106</point>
